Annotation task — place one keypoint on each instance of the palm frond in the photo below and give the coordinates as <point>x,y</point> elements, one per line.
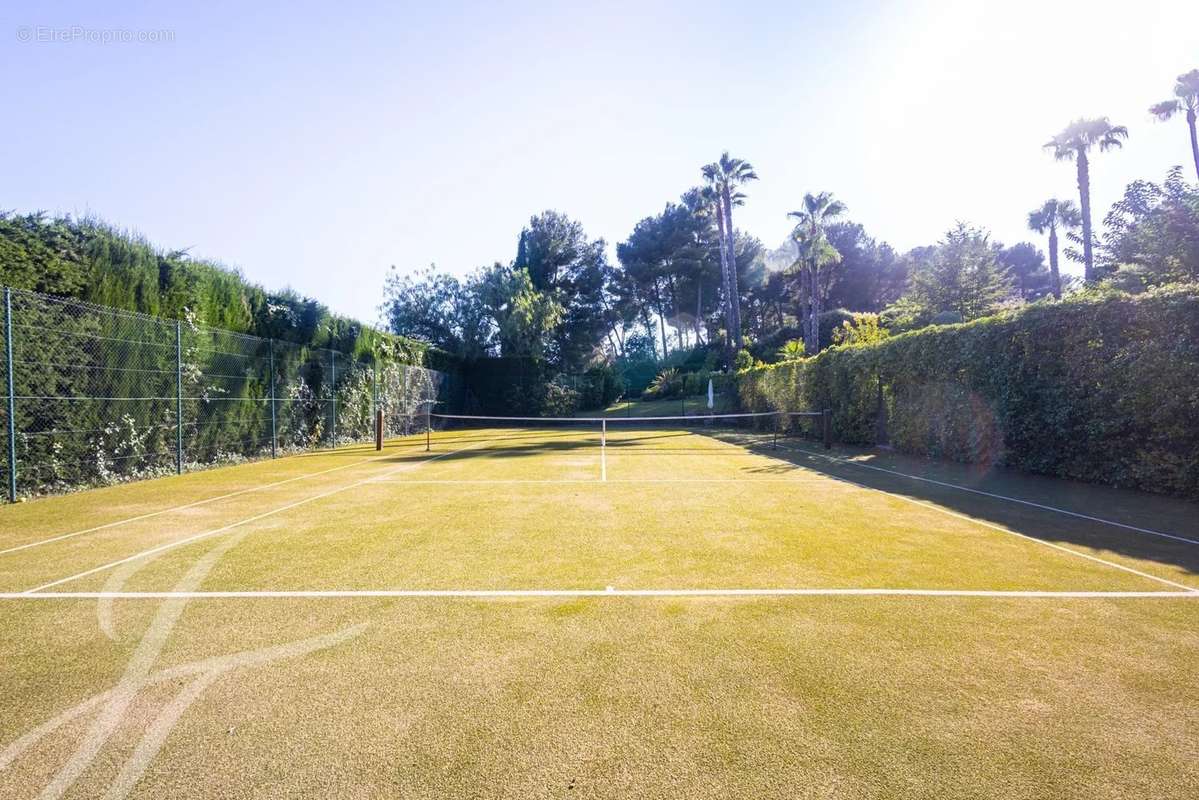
<point>1068,215</point>
<point>1113,137</point>
<point>1165,109</point>
<point>1187,87</point>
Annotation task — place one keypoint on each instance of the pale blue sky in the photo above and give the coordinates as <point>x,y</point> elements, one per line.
<point>315,144</point>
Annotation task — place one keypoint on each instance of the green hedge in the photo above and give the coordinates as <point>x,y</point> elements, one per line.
<point>1101,388</point>
<point>91,261</point>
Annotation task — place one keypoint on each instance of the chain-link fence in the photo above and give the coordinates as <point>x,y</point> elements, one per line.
<point>95,395</point>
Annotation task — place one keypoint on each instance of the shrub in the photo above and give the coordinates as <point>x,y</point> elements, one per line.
<point>603,386</point>
<point>791,350</point>
<point>865,329</point>
<point>1100,387</point>
<point>559,400</point>
<point>946,318</point>
<point>668,383</point>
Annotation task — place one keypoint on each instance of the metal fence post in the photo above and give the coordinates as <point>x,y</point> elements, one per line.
<point>274,428</point>
<point>12,405</point>
<point>178,398</point>
<point>333,394</point>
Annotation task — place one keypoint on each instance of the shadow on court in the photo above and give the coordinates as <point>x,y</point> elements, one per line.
<point>1160,514</point>
<point>516,443</point>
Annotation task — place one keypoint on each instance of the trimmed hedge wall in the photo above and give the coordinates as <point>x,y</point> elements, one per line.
<point>91,261</point>
<point>1101,388</point>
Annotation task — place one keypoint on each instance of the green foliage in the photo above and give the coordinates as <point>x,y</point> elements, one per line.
<point>525,317</point>
<point>568,273</point>
<point>863,329</point>
<point>439,309</point>
<point>1100,387</point>
<point>670,269</point>
<point>946,318</point>
<point>1151,234</point>
<point>743,360</point>
<point>870,276</point>
<point>104,396</point>
<point>559,400</point>
<point>791,350</point>
<point>91,261</point>
<point>962,274</point>
<point>767,348</point>
<point>1025,267</point>
<point>636,374</point>
<point>602,386</point>
<point>666,384</point>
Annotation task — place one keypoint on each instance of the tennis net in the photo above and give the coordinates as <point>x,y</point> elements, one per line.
<point>692,431</point>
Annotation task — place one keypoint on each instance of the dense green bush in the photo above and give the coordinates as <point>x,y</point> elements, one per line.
<point>90,261</point>
<point>558,400</point>
<point>1103,387</point>
<point>601,386</point>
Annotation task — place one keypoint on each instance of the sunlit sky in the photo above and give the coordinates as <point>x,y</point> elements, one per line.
<point>312,145</point>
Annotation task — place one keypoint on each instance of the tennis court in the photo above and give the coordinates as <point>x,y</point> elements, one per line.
<point>655,608</point>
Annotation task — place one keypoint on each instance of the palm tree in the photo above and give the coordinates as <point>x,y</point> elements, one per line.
<point>814,252</point>
<point>792,350</point>
<point>1072,144</point>
<point>1186,98</point>
<point>1049,217</point>
<point>711,197</point>
<point>723,177</point>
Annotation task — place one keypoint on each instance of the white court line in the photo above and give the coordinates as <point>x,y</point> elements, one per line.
<point>186,506</point>
<point>487,481</point>
<point>1088,517</point>
<point>536,593</point>
<point>231,526</point>
<point>1000,528</point>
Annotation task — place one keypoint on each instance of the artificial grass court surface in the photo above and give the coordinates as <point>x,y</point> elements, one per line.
<point>881,695</point>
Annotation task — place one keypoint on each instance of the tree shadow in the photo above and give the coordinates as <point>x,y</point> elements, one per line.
<point>961,488</point>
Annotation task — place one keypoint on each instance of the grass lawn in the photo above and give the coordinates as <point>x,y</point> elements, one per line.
<point>676,406</point>
<point>524,613</point>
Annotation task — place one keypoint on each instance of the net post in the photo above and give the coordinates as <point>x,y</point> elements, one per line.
<point>603,433</point>
<point>428,425</point>
<point>8,377</point>
<point>826,417</point>
<point>178,397</point>
<point>375,387</point>
<point>378,429</point>
<point>274,424</point>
